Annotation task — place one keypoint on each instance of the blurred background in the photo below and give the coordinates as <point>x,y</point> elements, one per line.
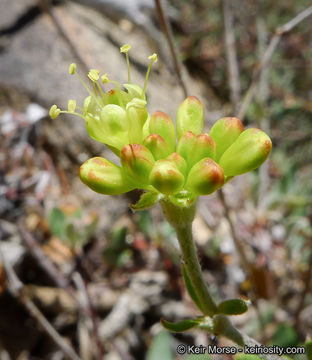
<point>102,275</point>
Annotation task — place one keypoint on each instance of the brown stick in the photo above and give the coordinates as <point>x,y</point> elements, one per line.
<point>307,285</point>
<point>231,54</point>
<point>166,28</point>
<point>59,280</point>
<point>237,243</point>
<point>46,8</point>
<point>279,32</point>
<point>16,287</point>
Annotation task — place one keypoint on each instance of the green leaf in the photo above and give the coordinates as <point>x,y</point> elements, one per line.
<point>146,201</point>
<point>308,346</point>
<point>180,326</point>
<point>161,347</point>
<point>232,307</point>
<point>73,235</point>
<point>246,357</point>
<point>223,326</point>
<point>198,357</point>
<point>57,221</point>
<point>285,335</point>
<point>190,289</point>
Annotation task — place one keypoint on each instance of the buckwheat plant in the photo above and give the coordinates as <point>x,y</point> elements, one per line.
<point>172,166</point>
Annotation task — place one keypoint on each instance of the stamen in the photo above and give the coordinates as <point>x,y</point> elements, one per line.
<point>71,105</point>
<point>100,89</point>
<point>104,79</point>
<point>124,49</point>
<point>54,112</point>
<point>72,68</point>
<point>88,90</point>
<point>153,59</point>
<point>94,75</point>
<point>71,113</point>
<point>94,89</point>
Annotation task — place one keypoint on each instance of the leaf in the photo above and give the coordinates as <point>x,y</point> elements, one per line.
<point>246,357</point>
<point>190,289</point>
<point>223,326</point>
<point>57,221</point>
<point>160,347</point>
<point>232,307</point>
<point>285,335</point>
<point>73,236</point>
<point>308,346</point>
<point>146,201</point>
<point>198,357</point>
<point>180,326</point>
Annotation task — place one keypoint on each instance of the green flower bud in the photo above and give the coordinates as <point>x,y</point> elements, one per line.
<point>165,177</point>
<point>138,161</point>
<point>179,162</point>
<point>145,130</point>
<point>105,177</point>
<point>90,106</point>
<point>161,124</point>
<point>134,91</point>
<point>157,146</point>
<point>224,132</point>
<point>116,97</point>
<point>247,153</point>
<point>114,119</point>
<point>185,146</point>
<point>110,128</point>
<point>203,147</point>
<point>190,117</point>
<point>205,177</point>
<point>136,117</point>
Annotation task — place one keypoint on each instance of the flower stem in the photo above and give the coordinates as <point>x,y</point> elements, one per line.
<point>181,219</point>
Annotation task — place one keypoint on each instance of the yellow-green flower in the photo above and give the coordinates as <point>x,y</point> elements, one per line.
<point>177,164</point>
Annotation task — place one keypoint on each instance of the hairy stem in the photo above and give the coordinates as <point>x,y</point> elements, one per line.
<point>181,219</point>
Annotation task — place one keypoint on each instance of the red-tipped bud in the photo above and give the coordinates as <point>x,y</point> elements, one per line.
<point>248,152</point>
<point>205,177</point>
<point>105,177</point>
<point>161,124</point>
<point>185,146</point>
<point>190,117</point>
<point>179,162</point>
<point>204,146</point>
<point>157,146</point>
<point>166,177</point>
<point>224,132</point>
<point>138,161</point>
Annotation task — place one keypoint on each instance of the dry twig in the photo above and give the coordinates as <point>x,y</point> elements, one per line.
<point>307,284</point>
<point>267,56</point>
<point>16,287</point>
<point>231,54</point>
<point>47,9</point>
<point>60,280</point>
<point>164,23</point>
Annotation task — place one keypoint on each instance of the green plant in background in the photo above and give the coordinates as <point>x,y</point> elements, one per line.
<point>70,228</point>
<point>172,167</point>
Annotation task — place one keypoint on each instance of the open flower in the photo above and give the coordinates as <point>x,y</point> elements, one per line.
<point>177,165</point>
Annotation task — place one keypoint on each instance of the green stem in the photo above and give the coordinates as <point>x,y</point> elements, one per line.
<point>181,218</point>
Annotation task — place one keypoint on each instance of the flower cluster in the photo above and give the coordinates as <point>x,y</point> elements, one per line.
<point>179,164</point>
